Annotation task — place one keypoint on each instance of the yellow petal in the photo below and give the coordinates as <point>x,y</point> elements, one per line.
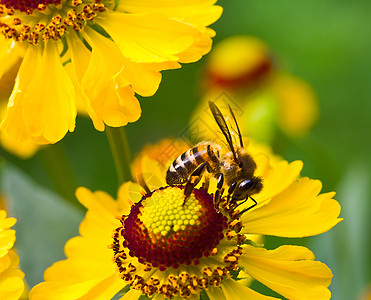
<point>111,98</point>
<point>107,289</point>
<point>11,284</point>
<point>200,47</point>
<point>148,37</point>
<point>80,58</point>
<point>49,108</point>
<point>61,290</point>
<point>144,78</point>
<point>288,270</point>
<point>6,223</point>
<point>128,194</point>
<point>81,269</point>
<point>14,259</point>
<point>235,291</point>
<point>99,203</point>
<point>276,179</point>
<point>5,262</point>
<point>97,226</point>
<point>106,57</point>
<point>11,278</point>
<point>196,12</point>
<point>115,114</point>
<point>80,55</point>
<point>85,246</point>
<point>8,55</point>
<point>164,153</point>
<point>153,173</point>
<point>13,123</point>
<point>7,239</point>
<point>298,211</point>
<point>23,149</point>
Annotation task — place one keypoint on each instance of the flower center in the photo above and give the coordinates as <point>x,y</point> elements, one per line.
<point>32,21</point>
<point>174,246</point>
<point>163,232</point>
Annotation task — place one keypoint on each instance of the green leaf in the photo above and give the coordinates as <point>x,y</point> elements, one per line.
<point>45,221</point>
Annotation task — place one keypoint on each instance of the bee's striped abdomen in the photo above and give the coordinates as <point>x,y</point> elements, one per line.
<point>180,170</point>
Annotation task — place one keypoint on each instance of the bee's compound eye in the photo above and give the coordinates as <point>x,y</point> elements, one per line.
<point>247,184</point>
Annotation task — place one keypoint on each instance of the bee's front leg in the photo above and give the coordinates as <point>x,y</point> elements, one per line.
<point>231,190</point>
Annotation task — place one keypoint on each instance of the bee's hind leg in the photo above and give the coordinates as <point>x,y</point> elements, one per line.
<point>193,180</point>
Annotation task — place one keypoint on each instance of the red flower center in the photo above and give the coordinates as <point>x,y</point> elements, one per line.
<point>180,237</point>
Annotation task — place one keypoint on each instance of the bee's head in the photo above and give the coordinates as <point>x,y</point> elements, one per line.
<point>247,188</point>
<point>246,164</point>
<point>239,167</point>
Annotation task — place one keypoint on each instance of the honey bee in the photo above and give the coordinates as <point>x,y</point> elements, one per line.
<point>233,169</point>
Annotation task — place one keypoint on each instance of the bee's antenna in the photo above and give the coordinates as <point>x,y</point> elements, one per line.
<point>247,209</point>
<point>220,120</point>
<point>238,128</point>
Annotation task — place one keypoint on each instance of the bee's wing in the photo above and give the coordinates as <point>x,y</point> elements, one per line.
<point>219,118</point>
<point>238,128</point>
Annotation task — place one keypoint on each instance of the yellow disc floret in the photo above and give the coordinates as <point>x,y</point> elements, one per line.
<point>167,211</point>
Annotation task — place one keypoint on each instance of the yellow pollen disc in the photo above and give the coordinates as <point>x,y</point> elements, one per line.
<point>165,213</point>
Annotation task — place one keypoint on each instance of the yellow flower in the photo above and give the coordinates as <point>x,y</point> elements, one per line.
<point>242,71</point>
<point>11,278</point>
<point>96,52</point>
<point>298,107</point>
<point>167,247</point>
<point>238,62</point>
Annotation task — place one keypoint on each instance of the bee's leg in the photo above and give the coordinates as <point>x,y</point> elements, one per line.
<point>219,192</point>
<point>206,183</point>
<point>246,209</point>
<point>193,180</point>
<point>231,191</point>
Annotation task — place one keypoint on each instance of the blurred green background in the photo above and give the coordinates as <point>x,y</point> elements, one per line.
<point>325,42</point>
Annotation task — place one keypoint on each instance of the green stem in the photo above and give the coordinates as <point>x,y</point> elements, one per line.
<point>56,163</point>
<point>121,152</point>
